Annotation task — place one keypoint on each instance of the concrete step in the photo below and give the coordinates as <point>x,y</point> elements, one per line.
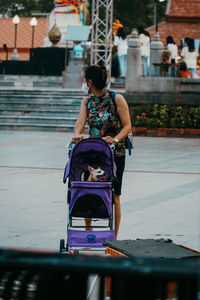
<point>31,80</point>
<point>56,91</point>
<point>45,92</point>
<point>30,84</point>
<point>7,83</point>
<point>37,120</point>
<point>36,127</point>
<point>38,102</point>
<point>44,97</point>
<point>118,86</point>
<point>38,112</point>
<point>40,109</point>
<point>118,83</point>
<point>41,96</point>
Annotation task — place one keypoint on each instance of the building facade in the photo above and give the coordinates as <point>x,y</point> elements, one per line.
<point>182,20</point>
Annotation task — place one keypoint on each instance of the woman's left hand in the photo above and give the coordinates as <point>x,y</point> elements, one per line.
<point>108,139</point>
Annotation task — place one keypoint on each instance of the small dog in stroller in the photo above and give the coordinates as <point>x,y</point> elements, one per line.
<point>96,174</point>
<point>90,173</point>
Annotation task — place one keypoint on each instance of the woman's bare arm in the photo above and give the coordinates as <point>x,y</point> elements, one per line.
<point>123,112</point>
<point>80,123</point>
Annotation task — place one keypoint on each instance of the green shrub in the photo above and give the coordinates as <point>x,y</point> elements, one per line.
<point>165,116</point>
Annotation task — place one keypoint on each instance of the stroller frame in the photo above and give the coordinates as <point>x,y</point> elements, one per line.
<point>89,200</point>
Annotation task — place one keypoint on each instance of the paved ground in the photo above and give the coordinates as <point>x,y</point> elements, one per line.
<point>161,190</point>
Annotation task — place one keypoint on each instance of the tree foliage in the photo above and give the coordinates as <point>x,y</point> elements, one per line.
<point>24,8</point>
<point>134,13</point>
<point>131,13</point>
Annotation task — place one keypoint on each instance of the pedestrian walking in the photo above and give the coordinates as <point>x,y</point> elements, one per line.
<point>121,43</point>
<point>145,50</point>
<point>189,55</point>
<point>115,69</point>
<point>173,53</point>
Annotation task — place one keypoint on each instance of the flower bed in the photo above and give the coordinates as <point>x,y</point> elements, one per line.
<point>165,116</point>
<point>166,120</point>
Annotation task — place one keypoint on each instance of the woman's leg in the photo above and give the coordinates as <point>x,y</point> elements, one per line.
<point>121,64</point>
<point>117,214</point>
<point>120,164</point>
<point>125,65</point>
<point>146,68</point>
<point>88,223</point>
<point>143,65</point>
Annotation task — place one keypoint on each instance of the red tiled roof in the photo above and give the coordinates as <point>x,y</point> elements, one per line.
<point>176,30</point>
<point>24,33</point>
<point>183,8</point>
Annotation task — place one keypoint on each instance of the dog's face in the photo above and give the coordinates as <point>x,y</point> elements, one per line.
<point>96,174</point>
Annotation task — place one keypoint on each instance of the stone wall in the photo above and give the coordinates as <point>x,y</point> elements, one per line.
<point>170,85</point>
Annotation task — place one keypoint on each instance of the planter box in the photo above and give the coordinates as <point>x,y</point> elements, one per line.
<point>167,132</point>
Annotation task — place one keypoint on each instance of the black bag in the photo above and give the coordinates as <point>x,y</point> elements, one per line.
<point>129,139</point>
<point>129,142</point>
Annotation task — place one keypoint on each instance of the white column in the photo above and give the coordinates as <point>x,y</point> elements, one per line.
<point>134,64</point>
<point>156,49</point>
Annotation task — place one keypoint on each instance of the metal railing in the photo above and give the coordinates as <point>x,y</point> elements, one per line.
<point>41,276</point>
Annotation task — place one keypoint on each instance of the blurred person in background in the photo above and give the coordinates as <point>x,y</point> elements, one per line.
<point>183,71</point>
<point>121,43</point>
<point>173,53</point>
<point>145,50</point>
<point>190,55</point>
<point>115,69</point>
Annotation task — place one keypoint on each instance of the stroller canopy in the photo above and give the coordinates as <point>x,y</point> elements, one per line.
<point>90,152</point>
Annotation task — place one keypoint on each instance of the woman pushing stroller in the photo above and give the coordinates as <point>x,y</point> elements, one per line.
<point>107,119</point>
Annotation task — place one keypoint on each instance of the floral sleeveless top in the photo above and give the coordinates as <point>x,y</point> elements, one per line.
<point>103,119</point>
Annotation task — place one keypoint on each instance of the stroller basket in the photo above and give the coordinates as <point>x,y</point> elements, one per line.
<point>92,239</point>
<point>91,199</point>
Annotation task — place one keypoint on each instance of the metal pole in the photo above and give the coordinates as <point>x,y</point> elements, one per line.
<point>33,30</point>
<point>156,14</point>
<point>15,36</point>
<point>101,37</point>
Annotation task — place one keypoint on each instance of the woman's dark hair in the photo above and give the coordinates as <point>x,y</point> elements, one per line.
<point>170,40</point>
<point>182,66</point>
<point>191,45</point>
<point>186,40</point>
<point>98,75</point>
<point>147,34</point>
<point>141,29</point>
<point>121,33</point>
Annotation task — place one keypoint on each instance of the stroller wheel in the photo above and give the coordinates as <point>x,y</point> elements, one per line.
<point>62,246</point>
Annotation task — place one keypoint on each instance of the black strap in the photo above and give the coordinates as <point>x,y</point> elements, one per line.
<point>127,140</point>
<point>113,94</point>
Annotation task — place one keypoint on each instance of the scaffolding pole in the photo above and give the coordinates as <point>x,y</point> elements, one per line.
<point>101,37</point>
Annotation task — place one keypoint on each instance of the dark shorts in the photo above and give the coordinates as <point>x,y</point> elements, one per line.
<point>120,164</point>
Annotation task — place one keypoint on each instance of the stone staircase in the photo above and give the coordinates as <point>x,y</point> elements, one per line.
<point>33,81</point>
<point>39,108</point>
<point>118,83</point>
<point>40,103</point>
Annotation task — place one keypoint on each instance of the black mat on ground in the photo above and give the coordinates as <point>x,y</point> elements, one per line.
<point>159,248</point>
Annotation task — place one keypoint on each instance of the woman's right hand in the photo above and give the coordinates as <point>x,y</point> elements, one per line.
<point>77,138</point>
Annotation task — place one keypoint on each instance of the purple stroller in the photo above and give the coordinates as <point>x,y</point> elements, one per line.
<point>88,199</point>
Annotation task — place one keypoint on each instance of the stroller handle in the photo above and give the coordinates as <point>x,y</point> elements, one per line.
<point>69,147</point>
<point>71,144</point>
<point>112,146</point>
